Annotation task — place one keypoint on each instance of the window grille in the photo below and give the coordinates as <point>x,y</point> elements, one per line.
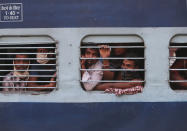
<point>112,62</point>
<point>178,62</point>
<point>28,63</point>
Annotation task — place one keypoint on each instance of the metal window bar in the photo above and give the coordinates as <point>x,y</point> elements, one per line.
<point>28,43</point>
<point>30,87</point>
<point>28,82</point>
<point>113,47</point>
<point>27,70</point>
<point>116,58</point>
<point>112,69</point>
<point>177,46</point>
<point>27,58</point>
<point>27,64</point>
<point>178,69</point>
<point>177,57</point>
<point>27,47</point>
<point>112,81</point>
<point>24,53</point>
<point>30,76</point>
<point>177,80</point>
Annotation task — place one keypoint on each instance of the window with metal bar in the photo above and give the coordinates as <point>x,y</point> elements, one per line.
<point>114,64</point>
<point>178,62</point>
<point>27,64</point>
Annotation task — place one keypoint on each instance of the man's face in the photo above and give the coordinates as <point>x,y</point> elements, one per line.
<point>128,64</point>
<point>91,53</point>
<point>21,61</point>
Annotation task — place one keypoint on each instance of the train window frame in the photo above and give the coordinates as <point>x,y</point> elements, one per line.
<point>177,39</point>
<point>125,39</point>
<point>15,42</point>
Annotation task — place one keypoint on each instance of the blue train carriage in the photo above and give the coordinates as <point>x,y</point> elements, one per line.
<point>44,43</point>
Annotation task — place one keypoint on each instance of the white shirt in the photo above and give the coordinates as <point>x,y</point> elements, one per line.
<point>94,76</point>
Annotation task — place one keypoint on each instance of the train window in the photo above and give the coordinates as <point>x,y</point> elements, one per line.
<point>27,64</point>
<point>178,62</point>
<point>114,64</point>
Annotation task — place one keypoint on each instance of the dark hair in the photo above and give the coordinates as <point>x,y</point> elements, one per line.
<point>22,51</point>
<point>96,49</point>
<point>83,50</point>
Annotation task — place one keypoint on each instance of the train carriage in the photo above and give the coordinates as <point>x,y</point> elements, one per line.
<point>66,28</point>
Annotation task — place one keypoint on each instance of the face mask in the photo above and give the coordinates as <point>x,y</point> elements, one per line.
<point>41,60</point>
<point>24,74</point>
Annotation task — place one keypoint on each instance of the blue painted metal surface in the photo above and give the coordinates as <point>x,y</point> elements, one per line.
<point>93,116</point>
<point>100,13</point>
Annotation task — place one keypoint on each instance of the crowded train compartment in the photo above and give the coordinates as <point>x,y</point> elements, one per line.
<point>28,64</point>
<point>93,65</point>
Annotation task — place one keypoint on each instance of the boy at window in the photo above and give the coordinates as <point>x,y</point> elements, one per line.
<point>20,74</point>
<point>42,60</point>
<point>90,78</point>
